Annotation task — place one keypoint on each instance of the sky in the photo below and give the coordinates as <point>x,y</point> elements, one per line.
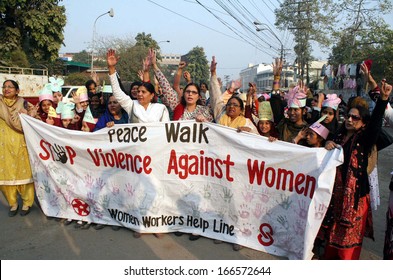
<point>187,24</point>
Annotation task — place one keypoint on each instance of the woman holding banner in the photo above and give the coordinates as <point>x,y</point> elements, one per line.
<point>15,176</point>
<point>144,109</point>
<point>348,218</point>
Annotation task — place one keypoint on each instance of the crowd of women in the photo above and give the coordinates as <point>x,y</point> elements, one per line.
<point>298,116</point>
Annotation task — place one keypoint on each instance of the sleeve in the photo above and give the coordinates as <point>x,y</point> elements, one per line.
<point>165,115</point>
<point>389,114</point>
<point>169,97</point>
<point>249,115</point>
<point>375,125</point>
<point>125,101</point>
<point>216,101</point>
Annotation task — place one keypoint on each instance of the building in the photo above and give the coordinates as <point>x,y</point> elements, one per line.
<point>249,75</point>
<point>262,75</point>
<point>170,59</point>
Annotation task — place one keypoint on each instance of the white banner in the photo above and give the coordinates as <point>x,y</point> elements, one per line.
<point>185,176</point>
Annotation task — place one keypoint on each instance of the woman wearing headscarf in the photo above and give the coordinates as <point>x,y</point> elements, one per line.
<point>15,176</point>
<point>348,219</point>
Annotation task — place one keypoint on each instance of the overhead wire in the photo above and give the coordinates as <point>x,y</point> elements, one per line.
<point>233,8</point>
<point>246,38</point>
<point>208,27</point>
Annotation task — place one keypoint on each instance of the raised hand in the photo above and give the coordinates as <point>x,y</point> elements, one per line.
<point>187,76</point>
<point>111,58</point>
<point>277,67</point>
<point>213,65</point>
<point>386,89</point>
<point>182,64</point>
<point>140,75</point>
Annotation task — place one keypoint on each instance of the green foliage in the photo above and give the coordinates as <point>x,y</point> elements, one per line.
<point>131,62</point>
<point>76,79</point>
<point>307,21</point>
<point>18,58</point>
<point>83,57</point>
<point>365,35</point>
<point>198,65</point>
<point>35,27</point>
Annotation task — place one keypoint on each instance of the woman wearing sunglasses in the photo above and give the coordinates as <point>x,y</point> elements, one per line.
<point>348,218</point>
<point>230,114</point>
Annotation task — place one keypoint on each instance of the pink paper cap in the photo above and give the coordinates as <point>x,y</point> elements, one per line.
<point>296,97</point>
<point>83,97</point>
<point>331,101</point>
<point>45,93</point>
<point>319,128</point>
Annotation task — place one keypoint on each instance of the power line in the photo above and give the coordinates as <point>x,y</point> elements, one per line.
<point>238,33</point>
<point>194,21</point>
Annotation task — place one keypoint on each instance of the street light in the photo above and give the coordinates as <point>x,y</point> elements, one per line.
<point>167,41</point>
<point>111,14</point>
<point>266,27</point>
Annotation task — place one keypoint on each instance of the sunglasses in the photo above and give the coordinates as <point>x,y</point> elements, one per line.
<point>354,117</point>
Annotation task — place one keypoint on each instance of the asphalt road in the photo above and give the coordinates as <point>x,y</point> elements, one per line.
<point>35,237</point>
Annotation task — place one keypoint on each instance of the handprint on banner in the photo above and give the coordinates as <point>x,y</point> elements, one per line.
<point>299,227</point>
<point>46,186</point>
<point>130,189</point>
<point>98,213</point>
<point>58,190</point>
<point>285,202</point>
<point>248,195</point>
<point>227,194</point>
<point>286,241</point>
<point>100,184</point>
<point>89,181</point>
<point>90,199</point>
<point>196,212</point>
<point>61,153</point>
<point>62,180</point>
<point>244,211</point>
<point>283,221</point>
<point>233,216</point>
<point>53,168</point>
<point>222,212</point>
<point>246,230</point>
<point>105,201</point>
<point>264,195</point>
<point>54,201</point>
<point>302,211</point>
<point>115,190</point>
<point>320,211</point>
<point>207,192</point>
<point>257,212</point>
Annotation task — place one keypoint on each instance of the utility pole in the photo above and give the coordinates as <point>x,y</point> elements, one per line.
<point>302,34</point>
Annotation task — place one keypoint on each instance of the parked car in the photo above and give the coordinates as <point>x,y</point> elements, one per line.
<point>67,90</point>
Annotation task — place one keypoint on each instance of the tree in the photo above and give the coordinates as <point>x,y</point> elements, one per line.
<point>34,27</point>
<point>131,52</point>
<point>83,57</point>
<point>198,65</point>
<point>308,20</point>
